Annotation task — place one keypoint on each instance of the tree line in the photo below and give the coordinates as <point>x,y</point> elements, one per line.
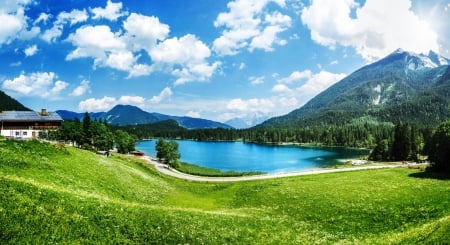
<point>399,142</point>
<point>95,135</point>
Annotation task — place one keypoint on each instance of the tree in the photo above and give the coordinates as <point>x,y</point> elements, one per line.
<point>167,152</point>
<point>124,141</point>
<point>439,150</point>
<point>86,130</point>
<point>401,147</point>
<point>381,151</point>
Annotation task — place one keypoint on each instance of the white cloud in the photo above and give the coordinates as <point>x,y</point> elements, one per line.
<point>111,12</point>
<point>296,76</point>
<point>131,100</point>
<point>95,105</point>
<point>187,52</point>
<point>81,89</point>
<point>246,26</point>
<point>106,103</point>
<point>30,51</point>
<point>281,88</point>
<point>74,17</point>
<point>43,17</point>
<point>251,105</point>
<point>317,83</point>
<point>14,22</point>
<point>41,84</point>
<point>105,47</point>
<point>256,80</point>
<point>194,114</point>
<point>304,86</point>
<point>378,27</point>
<point>166,93</point>
<point>143,32</point>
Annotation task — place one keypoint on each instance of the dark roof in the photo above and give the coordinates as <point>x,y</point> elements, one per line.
<point>28,116</point>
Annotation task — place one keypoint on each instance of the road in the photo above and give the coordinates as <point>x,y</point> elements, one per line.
<point>174,173</point>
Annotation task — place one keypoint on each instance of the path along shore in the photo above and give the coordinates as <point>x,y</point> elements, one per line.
<point>174,173</point>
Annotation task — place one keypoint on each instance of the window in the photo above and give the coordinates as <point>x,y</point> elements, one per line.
<point>17,133</point>
<point>24,133</point>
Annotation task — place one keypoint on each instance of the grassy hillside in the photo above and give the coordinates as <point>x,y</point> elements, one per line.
<point>53,194</point>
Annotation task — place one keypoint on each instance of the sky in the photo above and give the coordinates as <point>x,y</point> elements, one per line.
<point>217,60</point>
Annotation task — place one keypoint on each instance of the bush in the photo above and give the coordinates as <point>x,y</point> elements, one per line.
<point>440,148</point>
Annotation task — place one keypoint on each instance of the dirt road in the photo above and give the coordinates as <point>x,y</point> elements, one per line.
<point>174,173</point>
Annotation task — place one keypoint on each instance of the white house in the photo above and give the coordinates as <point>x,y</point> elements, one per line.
<point>28,124</point>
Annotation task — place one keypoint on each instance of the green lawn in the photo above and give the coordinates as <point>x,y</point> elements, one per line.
<point>64,195</point>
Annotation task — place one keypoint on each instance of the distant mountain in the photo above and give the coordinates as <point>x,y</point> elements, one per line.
<point>248,121</point>
<point>132,115</point>
<point>129,115</point>
<point>70,115</point>
<point>7,103</point>
<point>403,86</point>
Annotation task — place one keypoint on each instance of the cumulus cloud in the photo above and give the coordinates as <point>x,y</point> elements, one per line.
<point>111,12</point>
<point>166,93</point>
<point>41,84</point>
<point>143,32</point>
<point>296,76</point>
<point>301,86</point>
<point>14,21</point>
<point>188,52</point>
<point>105,47</point>
<point>185,57</point>
<point>30,51</point>
<point>247,25</point>
<point>194,114</point>
<point>73,17</point>
<point>319,82</point>
<point>251,105</point>
<point>81,89</point>
<point>106,103</point>
<point>378,27</point>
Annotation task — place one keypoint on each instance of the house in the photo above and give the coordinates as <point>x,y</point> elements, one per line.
<point>28,124</point>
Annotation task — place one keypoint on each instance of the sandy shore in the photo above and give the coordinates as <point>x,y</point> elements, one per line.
<point>174,173</point>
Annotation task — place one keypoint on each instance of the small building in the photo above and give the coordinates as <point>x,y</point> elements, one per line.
<point>28,124</point>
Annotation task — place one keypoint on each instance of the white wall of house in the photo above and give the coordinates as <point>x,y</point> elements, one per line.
<point>20,133</point>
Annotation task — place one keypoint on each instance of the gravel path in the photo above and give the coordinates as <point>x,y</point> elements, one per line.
<point>174,173</point>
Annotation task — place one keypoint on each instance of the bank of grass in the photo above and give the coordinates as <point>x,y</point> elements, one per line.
<point>211,172</point>
<point>64,195</point>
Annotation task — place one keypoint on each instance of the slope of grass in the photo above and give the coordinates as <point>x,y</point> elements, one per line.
<point>53,194</point>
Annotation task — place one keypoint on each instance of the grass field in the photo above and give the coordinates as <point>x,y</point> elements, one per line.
<point>53,194</point>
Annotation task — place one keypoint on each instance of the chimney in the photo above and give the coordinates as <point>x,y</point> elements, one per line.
<point>44,112</point>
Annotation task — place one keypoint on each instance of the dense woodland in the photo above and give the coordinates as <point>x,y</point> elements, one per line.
<point>399,142</point>
<point>92,135</point>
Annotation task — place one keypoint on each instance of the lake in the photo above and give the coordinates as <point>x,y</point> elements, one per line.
<point>243,157</point>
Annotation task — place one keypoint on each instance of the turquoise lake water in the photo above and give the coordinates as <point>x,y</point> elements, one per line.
<point>240,156</point>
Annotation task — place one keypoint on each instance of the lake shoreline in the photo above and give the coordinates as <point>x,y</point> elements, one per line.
<point>164,169</point>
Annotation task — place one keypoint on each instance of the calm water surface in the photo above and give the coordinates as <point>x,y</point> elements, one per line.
<point>239,156</point>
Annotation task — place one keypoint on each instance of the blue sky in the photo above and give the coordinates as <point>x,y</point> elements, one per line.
<point>211,59</point>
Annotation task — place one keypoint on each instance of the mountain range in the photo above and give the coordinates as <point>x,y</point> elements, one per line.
<point>132,115</point>
<point>403,86</point>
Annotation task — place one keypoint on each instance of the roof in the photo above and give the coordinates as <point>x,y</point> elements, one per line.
<point>19,116</point>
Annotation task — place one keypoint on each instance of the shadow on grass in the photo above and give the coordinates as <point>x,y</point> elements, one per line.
<point>430,174</point>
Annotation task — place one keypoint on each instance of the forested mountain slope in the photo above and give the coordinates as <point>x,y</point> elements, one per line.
<point>9,104</point>
<point>400,87</point>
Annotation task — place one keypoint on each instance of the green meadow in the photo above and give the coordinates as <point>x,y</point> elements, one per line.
<point>57,194</point>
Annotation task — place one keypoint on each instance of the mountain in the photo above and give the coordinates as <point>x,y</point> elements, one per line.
<point>7,103</point>
<point>247,121</point>
<point>403,86</point>
<point>70,115</point>
<point>129,115</point>
<point>132,115</point>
